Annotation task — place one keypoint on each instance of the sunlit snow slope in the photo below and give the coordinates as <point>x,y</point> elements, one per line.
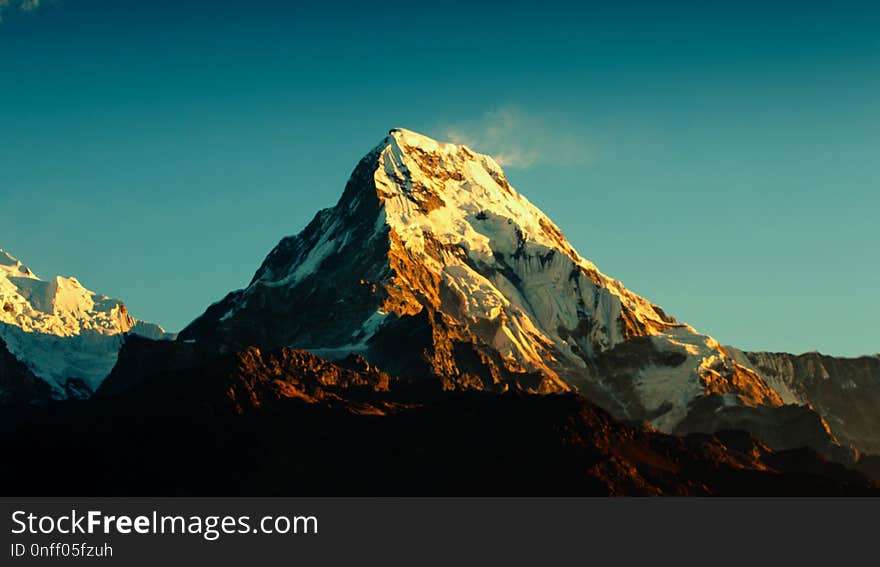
<point>64,333</point>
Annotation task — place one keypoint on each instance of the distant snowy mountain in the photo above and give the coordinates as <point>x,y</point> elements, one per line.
<point>431,264</point>
<point>62,332</point>
<point>845,391</point>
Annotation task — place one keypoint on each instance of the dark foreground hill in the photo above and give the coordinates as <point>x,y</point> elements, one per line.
<point>286,422</point>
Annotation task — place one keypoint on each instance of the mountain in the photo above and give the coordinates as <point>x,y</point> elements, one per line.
<point>845,391</point>
<point>287,422</point>
<point>432,333</point>
<point>431,265</point>
<point>58,332</point>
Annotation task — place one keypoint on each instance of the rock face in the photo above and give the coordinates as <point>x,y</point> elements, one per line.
<point>431,265</point>
<point>845,391</point>
<point>63,333</point>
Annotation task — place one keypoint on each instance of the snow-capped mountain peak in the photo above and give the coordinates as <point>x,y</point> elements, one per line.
<point>463,198</point>
<point>60,329</point>
<point>431,263</point>
<point>60,306</point>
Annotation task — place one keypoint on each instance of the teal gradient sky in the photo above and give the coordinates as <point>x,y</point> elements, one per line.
<point>719,158</point>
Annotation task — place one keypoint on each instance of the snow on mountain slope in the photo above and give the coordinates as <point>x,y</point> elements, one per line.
<point>67,335</point>
<point>432,264</point>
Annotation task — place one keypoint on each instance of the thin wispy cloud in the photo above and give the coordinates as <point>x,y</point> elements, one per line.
<point>20,5</point>
<point>516,138</point>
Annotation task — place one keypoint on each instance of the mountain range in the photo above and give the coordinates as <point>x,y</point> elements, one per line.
<point>434,293</point>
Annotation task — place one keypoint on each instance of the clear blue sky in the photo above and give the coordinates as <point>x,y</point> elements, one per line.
<point>722,159</point>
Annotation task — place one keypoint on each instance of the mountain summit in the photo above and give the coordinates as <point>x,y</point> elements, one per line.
<point>432,265</point>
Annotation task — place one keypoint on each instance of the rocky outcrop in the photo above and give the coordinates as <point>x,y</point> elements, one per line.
<point>844,391</point>
<point>239,381</point>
